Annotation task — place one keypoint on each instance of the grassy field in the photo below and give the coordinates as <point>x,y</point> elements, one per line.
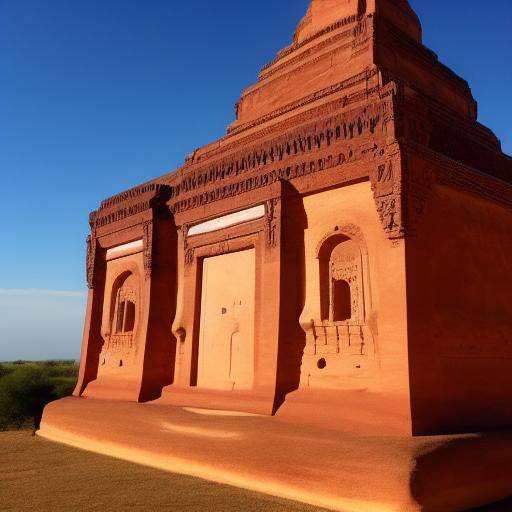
<point>39,476</point>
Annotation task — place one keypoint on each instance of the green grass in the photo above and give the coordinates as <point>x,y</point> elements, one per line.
<point>39,476</point>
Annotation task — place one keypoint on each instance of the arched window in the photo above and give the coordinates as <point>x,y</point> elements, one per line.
<point>124,306</point>
<point>340,280</point>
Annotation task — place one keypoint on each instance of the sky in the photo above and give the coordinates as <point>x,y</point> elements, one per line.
<point>97,96</point>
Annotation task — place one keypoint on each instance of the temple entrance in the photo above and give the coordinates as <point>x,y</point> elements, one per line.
<point>226,336</point>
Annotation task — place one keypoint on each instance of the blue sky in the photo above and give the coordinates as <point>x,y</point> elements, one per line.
<point>99,95</point>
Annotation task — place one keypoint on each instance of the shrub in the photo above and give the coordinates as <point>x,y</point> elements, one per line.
<point>4,370</point>
<point>23,395</point>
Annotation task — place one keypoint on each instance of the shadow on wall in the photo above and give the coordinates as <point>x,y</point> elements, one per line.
<point>292,337</point>
<point>446,475</point>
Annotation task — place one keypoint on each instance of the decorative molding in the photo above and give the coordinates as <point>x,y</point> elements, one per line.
<point>296,45</point>
<point>269,71</point>
<point>462,177</point>
<point>363,77</point>
<point>129,203</point>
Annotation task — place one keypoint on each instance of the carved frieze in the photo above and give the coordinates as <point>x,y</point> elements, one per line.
<point>132,202</point>
<point>331,132</point>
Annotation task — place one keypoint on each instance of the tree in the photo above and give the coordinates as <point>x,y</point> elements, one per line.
<point>23,395</point>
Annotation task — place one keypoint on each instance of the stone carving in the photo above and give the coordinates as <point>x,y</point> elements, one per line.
<point>338,128</point>
<point>271,223</point>
<point>386,182</point>
<point>90,260</point>
<point>147,228</point>
<point>187,250</point>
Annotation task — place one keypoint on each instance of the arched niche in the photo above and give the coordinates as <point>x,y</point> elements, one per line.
<point>342,265</point>
<point>122,321</point>
<point>124,301</point>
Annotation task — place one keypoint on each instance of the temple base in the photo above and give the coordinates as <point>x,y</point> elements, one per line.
<point>323,467</point>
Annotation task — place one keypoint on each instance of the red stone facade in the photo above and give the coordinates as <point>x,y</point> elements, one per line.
<point>345,246</point>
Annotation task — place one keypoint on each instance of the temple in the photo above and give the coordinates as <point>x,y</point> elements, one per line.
<point>344,252</point>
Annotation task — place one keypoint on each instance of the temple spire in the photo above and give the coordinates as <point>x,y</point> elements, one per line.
<point>322,13</point>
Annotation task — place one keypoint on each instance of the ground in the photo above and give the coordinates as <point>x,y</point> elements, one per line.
<point>39,476</point>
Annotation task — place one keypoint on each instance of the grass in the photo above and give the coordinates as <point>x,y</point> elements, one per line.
<point>39,476</point>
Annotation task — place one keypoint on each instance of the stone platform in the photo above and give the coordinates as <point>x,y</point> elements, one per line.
<point>338,470</point>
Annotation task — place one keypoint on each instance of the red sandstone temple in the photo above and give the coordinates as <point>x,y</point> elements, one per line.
<point>344,250</point>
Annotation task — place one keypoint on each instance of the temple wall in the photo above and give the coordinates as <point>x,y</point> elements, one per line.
<point>369,350</point>
<point>459,277</point>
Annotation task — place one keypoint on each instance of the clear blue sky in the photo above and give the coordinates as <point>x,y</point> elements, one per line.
<point>99,95</point>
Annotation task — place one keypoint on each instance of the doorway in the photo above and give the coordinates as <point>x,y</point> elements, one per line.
<point>226,334</point>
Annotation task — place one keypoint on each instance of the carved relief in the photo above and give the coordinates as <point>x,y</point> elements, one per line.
<point>147,228</point>
<point>90,260</point>
<point>189,257</point>
<point>272,223</point>
<point>187,250</point>
<point>386,180</point>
